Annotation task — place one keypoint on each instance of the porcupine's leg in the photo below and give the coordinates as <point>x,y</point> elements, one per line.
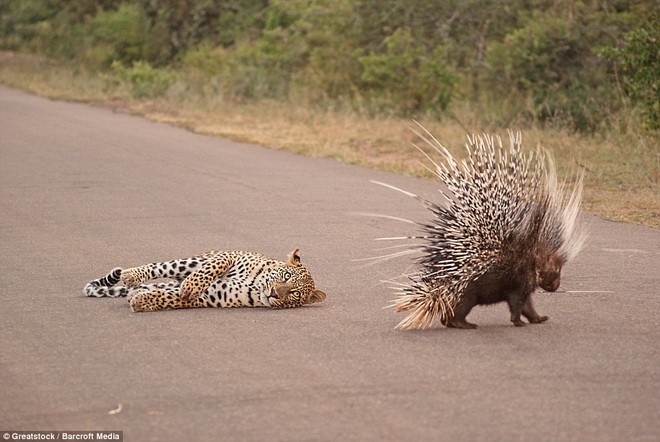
<point>532,316</point>
<point>516,301</point>
<point>461,311</point>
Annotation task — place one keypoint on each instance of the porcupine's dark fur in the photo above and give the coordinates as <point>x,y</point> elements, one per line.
<point>507,227</point>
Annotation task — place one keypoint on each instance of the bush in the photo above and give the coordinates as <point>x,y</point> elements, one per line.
<point>23,22</point>
<point>401,77</point>
<point>118,35</point>
<point>264,68</point>
<point>639,66</point>
<point>550,66</point>
<point>205,59</point>
<point>145,81</point>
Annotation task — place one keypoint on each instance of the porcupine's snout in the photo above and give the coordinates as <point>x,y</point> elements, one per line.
<point>549,275</point>
<point>551,284</point>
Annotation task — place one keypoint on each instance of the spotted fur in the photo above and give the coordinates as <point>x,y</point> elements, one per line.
<point>214,279</point>
<point>101,287</point>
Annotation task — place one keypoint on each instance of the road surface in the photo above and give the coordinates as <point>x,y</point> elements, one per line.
<point>84,189</point>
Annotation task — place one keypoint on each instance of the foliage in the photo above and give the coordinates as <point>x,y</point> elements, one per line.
<point>405,77</point>
<point>145,80</point>
<point>118,35</point>
<point>639,64</point>
<point>204,59</point>
<point>23,24</point>
<point>528,61</point>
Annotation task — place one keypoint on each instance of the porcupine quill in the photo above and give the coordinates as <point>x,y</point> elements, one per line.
<point>505,228</point>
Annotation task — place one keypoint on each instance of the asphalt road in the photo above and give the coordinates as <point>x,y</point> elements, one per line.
<point>83,189</point>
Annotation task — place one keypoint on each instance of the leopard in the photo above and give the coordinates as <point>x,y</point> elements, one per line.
<point>223,279</point>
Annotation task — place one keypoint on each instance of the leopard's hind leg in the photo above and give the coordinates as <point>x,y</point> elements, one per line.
<point>160,296</point>
<point>177,269</point>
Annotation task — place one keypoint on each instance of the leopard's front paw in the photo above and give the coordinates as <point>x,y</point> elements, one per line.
<point>133,277</point>
<point>191,289</point>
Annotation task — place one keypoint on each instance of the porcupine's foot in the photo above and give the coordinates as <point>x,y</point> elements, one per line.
<point>537,319</point>
<point>517,302</point>
<point>532,316</point>
<point>460,323</point>
<point>515,318</point>
<point>461,312</point>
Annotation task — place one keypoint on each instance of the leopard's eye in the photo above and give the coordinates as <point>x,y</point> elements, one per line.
<point>286,275</point>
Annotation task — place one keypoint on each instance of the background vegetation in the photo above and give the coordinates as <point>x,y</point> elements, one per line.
<point>582,74</point>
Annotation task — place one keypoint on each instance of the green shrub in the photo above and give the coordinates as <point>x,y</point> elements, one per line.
<point>264,68</point>
<point>23,22</point>
<point>550,66</point>
<point>145,81</point>
<point>118,35</point>
<point>402,77</point>
<point>639,67</point>
<point>205,59</point>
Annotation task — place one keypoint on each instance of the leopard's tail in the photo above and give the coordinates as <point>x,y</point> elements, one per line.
<point>105,287</point>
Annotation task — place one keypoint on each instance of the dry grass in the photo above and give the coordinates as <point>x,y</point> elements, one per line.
<point>49,78</point>
<point>621,171</point>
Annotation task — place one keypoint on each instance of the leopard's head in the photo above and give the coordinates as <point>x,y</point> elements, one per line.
<point>293,286</point>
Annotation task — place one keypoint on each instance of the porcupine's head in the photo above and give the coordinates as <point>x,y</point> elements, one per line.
<point>548,272</point>
<point>557,240</point>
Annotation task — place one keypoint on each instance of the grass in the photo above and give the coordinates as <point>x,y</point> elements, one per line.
<point>622,168</point>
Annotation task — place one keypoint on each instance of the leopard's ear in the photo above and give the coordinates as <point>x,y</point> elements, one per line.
<point>293,257</point>
<point>316,296</point>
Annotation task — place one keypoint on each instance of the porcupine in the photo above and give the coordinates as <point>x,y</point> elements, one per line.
<point>507,228</point>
